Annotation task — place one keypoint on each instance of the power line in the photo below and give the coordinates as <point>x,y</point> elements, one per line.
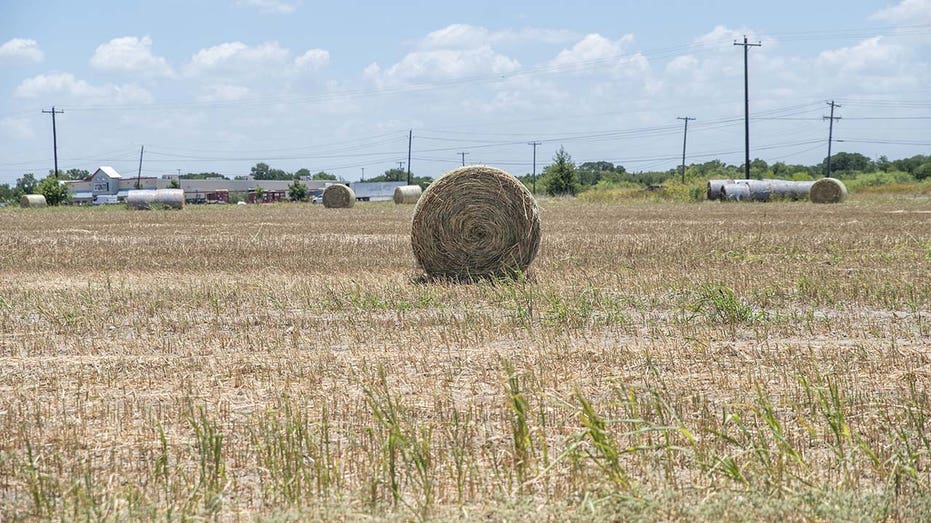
<point>463,155</point>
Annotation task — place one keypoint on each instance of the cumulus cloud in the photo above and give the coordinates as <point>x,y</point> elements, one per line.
<point>20,51</point>
<point>67,85</point>
<point>464,36</point>
<point>224,93</point>
<point>270,6</point>
<point>130,54</point>
<point>597,53</point>
<point>911,12</point>
<point>237,57</point>
<point>313,59</point>
<point>444,64</point>
<point>456,51</point>
<point>17,128</point>
<point>869,56</point>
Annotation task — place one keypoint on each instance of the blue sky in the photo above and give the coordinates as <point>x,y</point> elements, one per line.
<point>219,85</point>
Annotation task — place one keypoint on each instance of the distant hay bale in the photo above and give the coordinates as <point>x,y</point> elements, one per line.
<point>155,199</point>
<point>735,192</point>
<point>828,190</point>
<point>475,222</point>
<point>408,194</point>
<point>714,189</point>
<point>338,196</point>
<point>32,201</point>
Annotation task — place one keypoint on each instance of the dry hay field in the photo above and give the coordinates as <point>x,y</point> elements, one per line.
<point>659,362</point>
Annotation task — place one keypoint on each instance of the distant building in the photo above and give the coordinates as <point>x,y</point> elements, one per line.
<point>107,181</point>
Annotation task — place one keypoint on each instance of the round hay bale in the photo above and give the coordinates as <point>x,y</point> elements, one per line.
<point>408,194</point>
<point>736,192</point>
<point>475,222</point>
<point>143,199</point>
<point>828,190</point>
<point>32,201</point>
<point>338,196</point>
<point>714,189</point>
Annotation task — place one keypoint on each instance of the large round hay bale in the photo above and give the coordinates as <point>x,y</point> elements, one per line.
<point>338,196</point>
<point>155,199</point>
<point>475,222</point>
<point>828,190</point>
<point>714,189</point>
<point>736,192</point>
<point>32,200</point>
<point>408,194</point>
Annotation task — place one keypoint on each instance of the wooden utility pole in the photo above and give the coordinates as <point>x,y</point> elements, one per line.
<point>830,134</point>
<point>684,137</point>
<point>747,47</point>
<point>534,144</point>
<point>53,112</point>
<point>410,139</point>
<point>139,174</point>
<point>463,155</point>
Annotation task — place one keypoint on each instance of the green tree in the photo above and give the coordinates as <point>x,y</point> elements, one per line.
<point>847,163</point>
<point>54,190</point>
<point>303,172</point>
<point>8,194</point>
<point>27,184</point>
<point>297,191</point>
<point>278,174</point>
<point>74,174</point>
<point>260,171</point>
<point>923,171</point>
<point>561,177</point>
<point>173,184</point>
<point>203,176</point>
<point>323,175</point>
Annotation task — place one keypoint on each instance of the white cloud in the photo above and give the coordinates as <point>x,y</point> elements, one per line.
<point>911,12</point>
<point>445,64</point>
<point>270,6</point>
<point>464,36</point>
<point>20,51</point>
<point>313,59</point>
<point>869,56</point>
<point>456,51</point>
<point>66,84</point>
<point>237,57</point>
<point>17,128</point>
<point>598,54</point>
<point>224,93</point>
<point>130,54</point>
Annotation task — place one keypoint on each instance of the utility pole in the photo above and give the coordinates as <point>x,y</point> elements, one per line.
<point>747,47</point>
<point>463,157</point>
<point>830,133</point>
<point>363,174</point>
<point>684,137</point>
<point>139,174</point>
<point>400,169</point>
<point>53,112</point>
<point>410,139</point>
<point>534,144</point>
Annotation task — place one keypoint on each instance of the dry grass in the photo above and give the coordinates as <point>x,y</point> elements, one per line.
<point>672,362</point>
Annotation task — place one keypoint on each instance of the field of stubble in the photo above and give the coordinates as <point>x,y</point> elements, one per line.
<point>678,362</point>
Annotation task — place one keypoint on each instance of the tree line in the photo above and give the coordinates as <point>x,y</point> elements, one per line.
<point>561,177</point>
